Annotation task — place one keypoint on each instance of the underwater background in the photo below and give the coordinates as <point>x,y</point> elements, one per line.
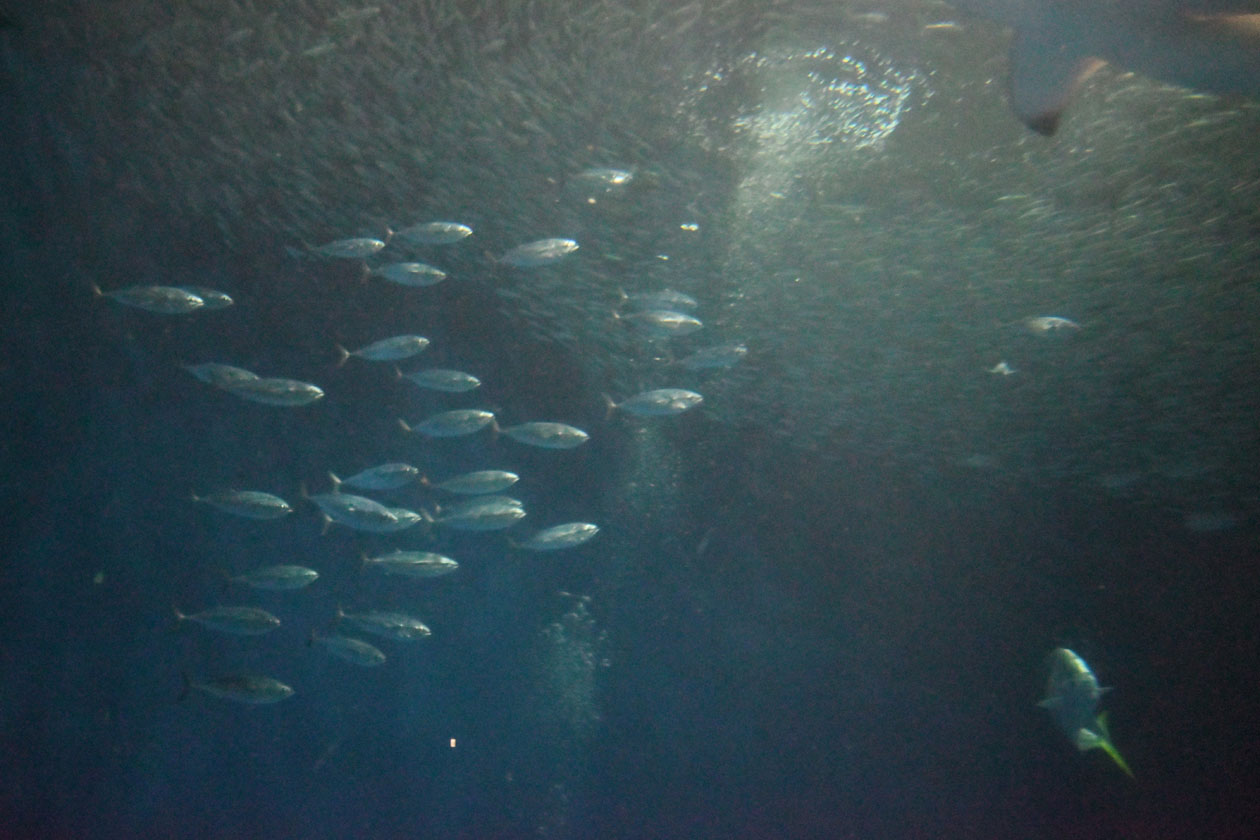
<point>819,604</point>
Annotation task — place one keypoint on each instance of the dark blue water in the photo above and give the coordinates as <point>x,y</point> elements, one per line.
<point>788,626</point>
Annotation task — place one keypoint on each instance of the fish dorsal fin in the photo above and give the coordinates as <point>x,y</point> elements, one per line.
<point>1045,73</point>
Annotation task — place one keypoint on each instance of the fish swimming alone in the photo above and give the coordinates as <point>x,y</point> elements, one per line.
<point>1211,46</point>
<point>1072,695</point>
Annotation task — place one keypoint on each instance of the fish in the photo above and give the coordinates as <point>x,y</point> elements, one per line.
<point>414,274</point>
<point>443,379</point>
<point>355,248</point>
<point>436,233</point>
<point>384,477</point>
<point>351,650</point>
<point>660,402</point>
<point>241,688</point>
<point>539,252</point>
<point>1212,46</point>
<point>1072,695</point>
<point>547,435</point>
<point>251,504</point>
<point>475,483</point>
<point>211,299</point>
<point>221,376</point>
<point>1044,324</point>
<point>665,299</point>
<point>608,177</point>
<point>717,357</point>
<point>405,519</point>
<point>483,513</point>
<point>415,564</point>
<point>274,391</point>
<point>389,625</point>
<point>164,300</point>
<point>461,421</point>
<point>1002,369</point>
<point>392,349</point>
<point>661,323</point>
<point>238,621</point>
<point>357,512</point>
<point>277,578</point>
<point>557,537</point>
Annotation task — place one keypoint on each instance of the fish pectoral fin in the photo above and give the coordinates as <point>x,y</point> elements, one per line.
<point>1045,73</point>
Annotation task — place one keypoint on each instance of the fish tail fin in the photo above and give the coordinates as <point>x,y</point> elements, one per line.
<point>389,234</point>
<point>495,429</point>
<point>328,521</point>
<point>609,406</point>
<point>1104,744</point>
<point>180,618</point>
<point>403,424</point>
<point>366,560</point>
<point>336,482</point>
<point>343,355</point>
<point>96,291</point>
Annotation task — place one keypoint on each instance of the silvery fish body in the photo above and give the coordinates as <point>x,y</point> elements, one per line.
<point>716,357</point>
<point>1072,695</point>
<point>239,621</point>
<point>444,379</point>
<point>393,349</point>
<point>484,513</point>
<point>663,323</point>
<point>278,578</point>
<point>275,391</point>
<point>557,537</point>
<point>435,233</point>
<point>219,375</point>
<point>384,477</point>
<point>547,435</point>
<point>390,625</point>
<point>243,688</point>
<point>666,300</point>
<point>350,650</point>
<point>1043,324</point>
<point>251,504</point>
<point>415,564</point>
<point>477,483</point>
<point>357,512</point>
<point>607,177</point>
<point>164,300</point>
<point>414,274</point>
<point>355,248</point>
<point>211,299</point>
<point>660,402</point>
<point>539,252</point>
<point>461,421</point>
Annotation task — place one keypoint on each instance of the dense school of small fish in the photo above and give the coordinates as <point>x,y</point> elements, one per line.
<point>480,506</point>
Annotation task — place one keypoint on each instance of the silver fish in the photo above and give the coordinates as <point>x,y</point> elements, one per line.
<point>665,299</point>
<point>275,391</point>
<point>164,300</point>
<point>568,535</point>
<point>391,349</point>
<point>242,688</point>
<point>416,564</point>
<point>547,435</point>
<point>239,621</point>
<point>539,252</point>
<point>484,513</point>
<point>348,649</point>
<point>384,477</point>
<point>390,625</point>
<point>355,248</point>
<point>607,177</point>
<point>716,357</point>
<point>436,233</point>
<point>357,512</point>
<point>277,578</point>
<point>219,375</point>
<point>662,323</point>
<point>1043,324</point>
<point>660,402</point>
<point>475,483</point>
<point>414,274</point>
<point>211,299</point>
<point>461,421</point>
<point>444,379</point>
<point>251,504</point>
